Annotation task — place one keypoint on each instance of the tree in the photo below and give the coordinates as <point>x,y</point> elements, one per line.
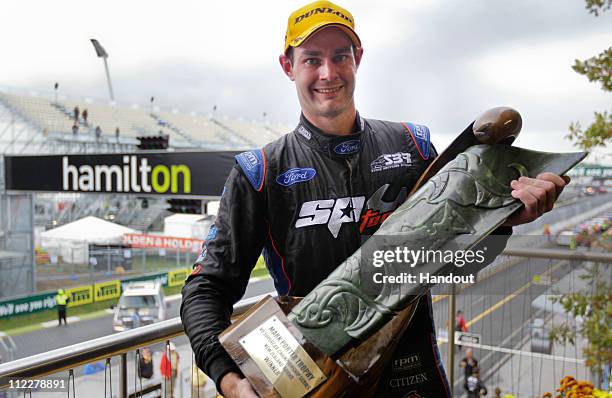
<point>597,69</point>
<point>594,306</point>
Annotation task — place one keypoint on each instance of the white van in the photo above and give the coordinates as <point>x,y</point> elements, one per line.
<point>141,303</point>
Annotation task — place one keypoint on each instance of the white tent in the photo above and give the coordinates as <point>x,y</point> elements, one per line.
<point>187,225</point>
<point>72,240</point>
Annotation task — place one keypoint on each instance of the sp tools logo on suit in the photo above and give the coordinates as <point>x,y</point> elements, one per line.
<point>333,212</point>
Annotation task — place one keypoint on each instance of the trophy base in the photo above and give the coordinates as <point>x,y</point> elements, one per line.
<point>273,355</point>
<point>356,371</point>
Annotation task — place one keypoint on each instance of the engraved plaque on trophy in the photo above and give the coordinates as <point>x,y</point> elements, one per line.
<point>272,354</point>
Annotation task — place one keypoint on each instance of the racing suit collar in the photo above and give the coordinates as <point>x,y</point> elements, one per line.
<point>335,146</point>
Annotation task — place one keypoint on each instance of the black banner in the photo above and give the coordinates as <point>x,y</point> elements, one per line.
<point>177,174</point>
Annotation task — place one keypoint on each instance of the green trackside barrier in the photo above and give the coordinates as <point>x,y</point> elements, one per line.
<point>86,294</point>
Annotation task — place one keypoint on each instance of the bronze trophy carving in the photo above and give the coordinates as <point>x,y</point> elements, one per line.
<point>339,337</point>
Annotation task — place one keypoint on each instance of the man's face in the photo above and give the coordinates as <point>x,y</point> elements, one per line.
<point>324,69</point>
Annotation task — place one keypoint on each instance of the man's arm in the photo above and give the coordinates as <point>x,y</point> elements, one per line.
<point>222,272</point>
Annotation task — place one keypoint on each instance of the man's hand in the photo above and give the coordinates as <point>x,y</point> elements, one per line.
<point>537,194</point>
<point>234,386</point>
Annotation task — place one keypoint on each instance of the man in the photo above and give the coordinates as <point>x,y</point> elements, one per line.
<point>169,367</point>
<point>474,386</point>
<point>468,363</point>
<point>61,300</point>
<point>309,198</point>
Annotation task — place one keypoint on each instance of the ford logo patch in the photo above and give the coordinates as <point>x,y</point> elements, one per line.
<point>293,176</point>
<point>347,147</point>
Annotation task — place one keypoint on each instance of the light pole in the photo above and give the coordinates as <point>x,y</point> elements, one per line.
<point>101,53</point>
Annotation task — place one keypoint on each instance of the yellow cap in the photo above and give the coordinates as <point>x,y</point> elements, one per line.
<point>304,22</point>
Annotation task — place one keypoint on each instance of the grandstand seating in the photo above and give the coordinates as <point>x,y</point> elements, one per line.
<point>39,111</point>
<point>185,130</point>
<point>253,132</point>
<point>196,127</point>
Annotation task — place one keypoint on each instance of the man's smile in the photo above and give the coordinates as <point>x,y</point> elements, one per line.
<point>329,90</point>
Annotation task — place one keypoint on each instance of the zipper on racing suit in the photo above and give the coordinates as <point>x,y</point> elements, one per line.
<point>350,194</point>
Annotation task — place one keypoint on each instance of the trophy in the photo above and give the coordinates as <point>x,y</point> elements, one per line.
<point>340,336</point>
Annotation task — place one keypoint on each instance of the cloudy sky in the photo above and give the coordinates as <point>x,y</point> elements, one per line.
<point>434,62</point>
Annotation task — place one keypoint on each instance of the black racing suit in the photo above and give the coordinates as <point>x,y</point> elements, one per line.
<point>307,200</point>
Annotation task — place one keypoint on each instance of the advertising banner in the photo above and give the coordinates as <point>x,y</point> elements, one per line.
<point>27,305</point>
<point>161,277</point>
<point>87,294</point>
<point>107,290</point>
<point>80,295</point>
<point>162,242</point>
<point>177,277</point>
<point>177,174</point>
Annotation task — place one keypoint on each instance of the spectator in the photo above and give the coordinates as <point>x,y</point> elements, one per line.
<point>61,300</point>
<point>85,114</point>
<point>474,386</point>
<point>135,319</point>
<point>468,363</point>
<point>117,133</point>
<point>76,114</point>
<point>98,131</point>
<point>460,325</point>
<point>75,129</point>
<point>169,366</point>
<point>145,363</point>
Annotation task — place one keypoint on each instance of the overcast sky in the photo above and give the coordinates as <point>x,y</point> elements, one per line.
<point>438,63</point>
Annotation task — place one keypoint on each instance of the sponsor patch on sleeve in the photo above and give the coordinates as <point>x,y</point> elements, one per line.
<point>253,163</point>
<point>420,136</point>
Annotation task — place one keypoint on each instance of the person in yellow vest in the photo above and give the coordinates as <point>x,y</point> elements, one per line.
<point>61,300</point>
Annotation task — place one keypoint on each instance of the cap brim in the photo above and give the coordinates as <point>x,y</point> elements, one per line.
<point>315,28</point>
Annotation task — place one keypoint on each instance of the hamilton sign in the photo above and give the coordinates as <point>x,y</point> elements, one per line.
<point>144,173</point>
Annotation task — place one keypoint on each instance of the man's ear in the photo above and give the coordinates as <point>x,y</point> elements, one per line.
<point>285,63</point>
<point>358,55</point>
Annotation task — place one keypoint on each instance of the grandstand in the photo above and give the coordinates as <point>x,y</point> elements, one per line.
<point>32,123</point>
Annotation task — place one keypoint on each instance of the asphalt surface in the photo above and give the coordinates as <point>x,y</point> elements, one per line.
<point>499,310</point>
<point>56,337</point>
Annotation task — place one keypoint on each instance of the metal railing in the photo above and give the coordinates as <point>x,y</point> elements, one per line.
<point>120,344</point>
<point>101,348</point>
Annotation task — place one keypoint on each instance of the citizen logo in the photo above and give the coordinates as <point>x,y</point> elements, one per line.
<point>390,161</point>
<point>408,380</point>
<point>333,212</point>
